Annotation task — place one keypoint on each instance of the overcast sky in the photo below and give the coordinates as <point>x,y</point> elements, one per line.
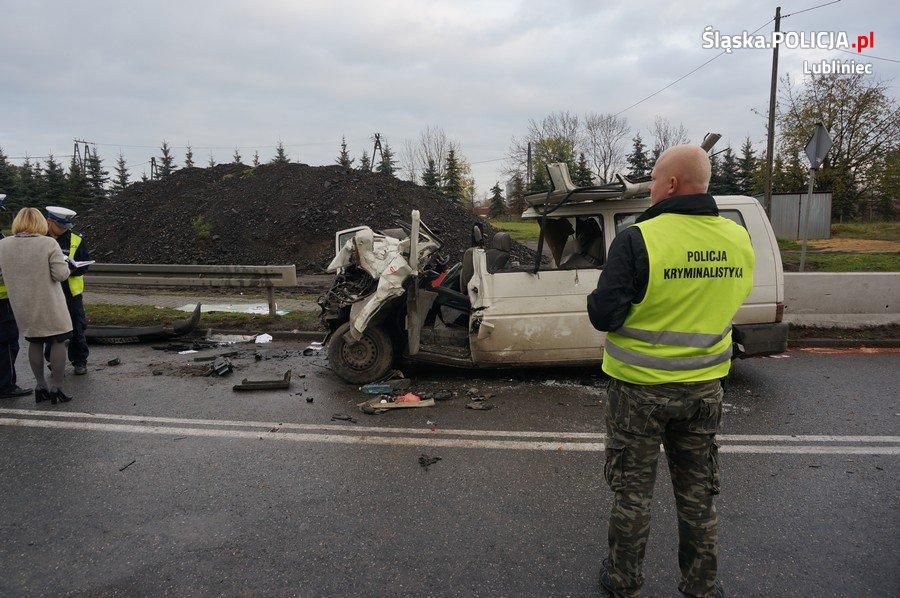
<point>225,73</point>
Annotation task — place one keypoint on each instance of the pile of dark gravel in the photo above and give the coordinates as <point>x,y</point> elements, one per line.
<point>270,214</point>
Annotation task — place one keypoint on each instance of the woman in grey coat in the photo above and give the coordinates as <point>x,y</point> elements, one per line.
<point>33,265</point>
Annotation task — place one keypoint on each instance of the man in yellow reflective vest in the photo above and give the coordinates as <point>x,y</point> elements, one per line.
<point>60,224</point>
<point>666,297</point>
<point>9,341</point>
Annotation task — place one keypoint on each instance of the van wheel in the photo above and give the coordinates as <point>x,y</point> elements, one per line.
<point>362,361</point>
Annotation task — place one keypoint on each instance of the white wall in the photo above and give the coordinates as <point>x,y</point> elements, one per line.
<point>842,298</point>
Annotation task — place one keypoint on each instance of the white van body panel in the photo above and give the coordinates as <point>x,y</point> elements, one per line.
<point>522,317</point>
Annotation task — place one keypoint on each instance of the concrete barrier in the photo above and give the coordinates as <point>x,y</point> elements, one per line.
<point>853,299</point>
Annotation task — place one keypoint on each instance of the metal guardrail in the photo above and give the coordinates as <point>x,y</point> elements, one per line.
<point>188,275</point>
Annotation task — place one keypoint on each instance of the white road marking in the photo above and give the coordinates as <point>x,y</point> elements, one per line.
<point>597,436</point>
<point>431,441</point>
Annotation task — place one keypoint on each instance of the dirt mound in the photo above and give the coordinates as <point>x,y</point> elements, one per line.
<point>271,214</point>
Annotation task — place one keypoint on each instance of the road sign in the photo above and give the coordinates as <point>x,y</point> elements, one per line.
<point>818,146</point>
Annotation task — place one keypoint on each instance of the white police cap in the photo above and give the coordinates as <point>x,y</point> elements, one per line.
<point>60,215</point>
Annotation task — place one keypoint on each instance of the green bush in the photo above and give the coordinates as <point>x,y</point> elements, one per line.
<point>202,228</point>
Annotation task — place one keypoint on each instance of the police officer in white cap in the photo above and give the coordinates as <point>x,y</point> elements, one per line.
<point>9,341</point>
<point>60,224</point>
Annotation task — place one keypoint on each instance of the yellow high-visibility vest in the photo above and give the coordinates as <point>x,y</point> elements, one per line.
<point>701,271</point>
<point>76,283</point>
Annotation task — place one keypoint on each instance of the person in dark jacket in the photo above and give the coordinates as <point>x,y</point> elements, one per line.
<point>60,224</point>
<point>9,341</point>
<point>666,298</point>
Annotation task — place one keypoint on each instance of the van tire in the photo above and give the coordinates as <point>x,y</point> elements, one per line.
<point>364,361</point>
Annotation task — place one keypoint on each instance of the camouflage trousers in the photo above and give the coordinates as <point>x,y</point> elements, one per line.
<point>684,418</point>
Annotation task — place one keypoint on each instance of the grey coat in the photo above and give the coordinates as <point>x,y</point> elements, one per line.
<point>32,267</point>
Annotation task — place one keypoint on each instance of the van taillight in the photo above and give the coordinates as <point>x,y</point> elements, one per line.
<point>779,312</point>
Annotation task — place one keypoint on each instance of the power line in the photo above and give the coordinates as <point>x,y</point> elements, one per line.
<point>790,14</point>
<point>866,55</point>
<point>683,77</point>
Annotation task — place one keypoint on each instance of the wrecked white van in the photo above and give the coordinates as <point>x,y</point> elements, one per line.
<point>392,298</point>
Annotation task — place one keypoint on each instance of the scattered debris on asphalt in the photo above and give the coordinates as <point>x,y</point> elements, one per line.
<point>177,347</point>
<point>387,402</point>
<point>114,361</point>
<point>278,384</point>
<point>376,388</point>
<point>263,339</point>
<point>188,351</point>
<point>126,466</point>
<point>314,348</point>
<point>230,339</point>
<point>222,366</point>
<point>479,405</point>
<point>309,399</point>
<point>342,417</point>
<point>216,356</point>
<point>427,461</point>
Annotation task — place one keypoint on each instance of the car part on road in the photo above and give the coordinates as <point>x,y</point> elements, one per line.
<point>114,361</point>
<point>314,348</point>
<point>342,417</point>
<point>481,405</point>
<point>119,335</point>
<point>386,403</point>
<point>214,357</point>
<point>280,384</point>
<point>222,366</point>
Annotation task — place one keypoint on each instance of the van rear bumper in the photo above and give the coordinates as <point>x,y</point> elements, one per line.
<point>760,339</point>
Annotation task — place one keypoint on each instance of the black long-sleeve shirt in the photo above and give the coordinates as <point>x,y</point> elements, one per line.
<point>627,271</point>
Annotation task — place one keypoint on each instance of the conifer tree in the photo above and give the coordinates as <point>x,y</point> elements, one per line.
<point>344,158</point>
<point>255,158</point>
<point>517,199</point>
<point>189,157</point>
<point>7,180</point>
<point>97,177</point>
<point>715,175</point>
<point>144,178</point>
<point>364,162</point>
<point>638,164</point>
<point>538,181</point>
<point>452,186</point>
<point>746,167</point>
<point>27,183</point>
<point>730,184</point>
<point>120,180</point>
<point>583,177</point>
<point>387,164</point>
<point>166,161</point>
<point>430,178</point>
<point>53,189</point>
<point>497,205</point>
<point>212,160</point>
<point>237,156</point>
<point>280,155</point>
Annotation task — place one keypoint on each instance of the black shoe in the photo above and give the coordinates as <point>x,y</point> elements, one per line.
<point>15,392</point>
<point>58,396</point>
<point>80,369</point>
<point>41,394</point>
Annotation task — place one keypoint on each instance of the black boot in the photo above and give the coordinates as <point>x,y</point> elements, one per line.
<point>41,394</point>
<point>58,396</point>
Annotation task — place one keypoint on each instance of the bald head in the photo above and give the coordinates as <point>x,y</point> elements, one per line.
<point>680,170</point>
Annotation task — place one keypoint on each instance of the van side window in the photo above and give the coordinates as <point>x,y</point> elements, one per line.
<point>623,221</point>
<point>734,216</point>
<point>576,243</point>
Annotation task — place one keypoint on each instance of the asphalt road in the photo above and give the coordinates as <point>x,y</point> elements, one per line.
<point>172,483</point>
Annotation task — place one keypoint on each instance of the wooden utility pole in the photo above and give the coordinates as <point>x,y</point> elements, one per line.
<point>770,142</point>
<point>528,168</point>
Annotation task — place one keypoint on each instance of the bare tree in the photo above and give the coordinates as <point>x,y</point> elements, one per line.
<point>666,135</point>
<point>555,138</point>
<point>409,162</point>
<point>433,144</point>
<point>604,137</point>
